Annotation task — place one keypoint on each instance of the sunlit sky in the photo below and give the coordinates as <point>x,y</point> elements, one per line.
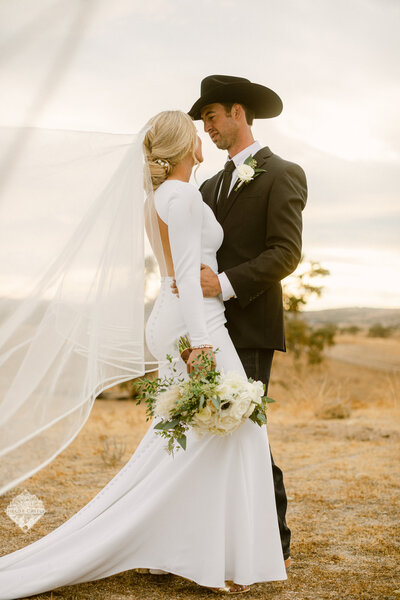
<point>334,64</point>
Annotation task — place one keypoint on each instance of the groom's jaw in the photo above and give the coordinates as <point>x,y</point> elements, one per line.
<point>218,141</point>
<point>215,118</point>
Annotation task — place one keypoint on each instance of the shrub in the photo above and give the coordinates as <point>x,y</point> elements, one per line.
<point>378,330</point>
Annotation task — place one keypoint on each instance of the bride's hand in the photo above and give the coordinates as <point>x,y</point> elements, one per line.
<point>195,358</point>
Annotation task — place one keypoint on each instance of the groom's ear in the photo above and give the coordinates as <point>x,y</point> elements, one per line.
<point>238,112</point>
<point>243,112</point>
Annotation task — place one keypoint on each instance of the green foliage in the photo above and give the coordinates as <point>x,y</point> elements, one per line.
<point>378,330</point>
<point>303,286</point>
<point>302,338</point>
<point>202,383</point>
<point>351,329</point>
<point>317,340</point>
<point>259,413</point>
<point>194,393</point>
<point>251,162</point>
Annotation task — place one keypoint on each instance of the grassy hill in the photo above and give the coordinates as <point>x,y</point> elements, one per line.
<point>354,315</point>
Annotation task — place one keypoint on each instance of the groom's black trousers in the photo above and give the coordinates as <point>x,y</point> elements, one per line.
<point>257,364</point>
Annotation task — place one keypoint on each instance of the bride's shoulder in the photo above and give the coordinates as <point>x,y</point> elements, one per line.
<point>180,190</point>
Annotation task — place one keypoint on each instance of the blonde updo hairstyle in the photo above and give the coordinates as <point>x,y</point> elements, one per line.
<point>171,137</point>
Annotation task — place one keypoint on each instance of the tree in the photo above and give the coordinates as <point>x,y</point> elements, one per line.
<point>352,329</point>
<point>378,330</point>
<point>301,337</point>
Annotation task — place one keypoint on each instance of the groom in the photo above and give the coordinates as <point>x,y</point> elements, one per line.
<point>261,215</point>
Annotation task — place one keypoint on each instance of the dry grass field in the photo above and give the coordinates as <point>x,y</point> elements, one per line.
<point>335,432</point>
<point>383,353</point>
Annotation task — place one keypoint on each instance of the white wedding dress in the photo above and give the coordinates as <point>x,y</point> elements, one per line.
<point>208,513</point>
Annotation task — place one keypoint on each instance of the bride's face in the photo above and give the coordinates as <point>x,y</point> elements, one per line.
<point>199,150</point>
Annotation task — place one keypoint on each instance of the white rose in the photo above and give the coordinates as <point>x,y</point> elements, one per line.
<point>232,376</point>
<point>237,412</point>
<point>204,415</point>
<point>256,391</point>
<point>240,406</point>
<point>225,425</point>
<point>250,410</point>
<point>245,172</point>
<point>233,381</point>
<point>224,391</point>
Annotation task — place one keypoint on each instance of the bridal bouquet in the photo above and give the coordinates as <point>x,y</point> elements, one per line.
<point>208,402</point>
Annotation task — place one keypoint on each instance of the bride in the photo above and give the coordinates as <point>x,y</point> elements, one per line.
<point>208,513</point>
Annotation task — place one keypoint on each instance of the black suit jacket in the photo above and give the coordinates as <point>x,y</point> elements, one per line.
<point>262,226</point>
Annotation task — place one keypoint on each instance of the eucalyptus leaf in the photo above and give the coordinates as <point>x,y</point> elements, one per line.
<point>216,401</point>
<point>261,416</point>
<point>182,441</point>
<point>166,424</point>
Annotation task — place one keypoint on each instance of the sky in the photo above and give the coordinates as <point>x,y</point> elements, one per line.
<point>108,66</point>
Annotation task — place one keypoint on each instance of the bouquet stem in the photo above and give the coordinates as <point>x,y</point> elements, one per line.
<point>184,347</point>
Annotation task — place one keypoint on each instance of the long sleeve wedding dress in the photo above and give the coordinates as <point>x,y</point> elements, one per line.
<point>208,513</point>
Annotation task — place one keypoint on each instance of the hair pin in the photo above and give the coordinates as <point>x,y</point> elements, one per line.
<point>163,163</point>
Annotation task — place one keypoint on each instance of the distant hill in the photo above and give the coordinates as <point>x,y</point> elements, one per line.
<point>354,315</point>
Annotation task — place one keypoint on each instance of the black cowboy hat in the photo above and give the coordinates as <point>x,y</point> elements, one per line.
<point>226,88</point>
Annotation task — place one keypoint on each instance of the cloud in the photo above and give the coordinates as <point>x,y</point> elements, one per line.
<point>333,63</point>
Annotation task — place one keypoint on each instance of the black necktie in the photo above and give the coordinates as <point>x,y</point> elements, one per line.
<point>226,182</point>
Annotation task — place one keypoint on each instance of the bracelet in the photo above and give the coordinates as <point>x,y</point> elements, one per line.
<point>202,346</point>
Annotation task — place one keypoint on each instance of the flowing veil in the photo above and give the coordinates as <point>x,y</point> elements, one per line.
<point>77,227</point>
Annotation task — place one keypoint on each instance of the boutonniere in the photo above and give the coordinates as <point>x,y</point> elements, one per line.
<point>247,171</point>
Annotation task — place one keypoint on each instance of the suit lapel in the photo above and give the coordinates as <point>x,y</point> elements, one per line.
<point>261,157</point>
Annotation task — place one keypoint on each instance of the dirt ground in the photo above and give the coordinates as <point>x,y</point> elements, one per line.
<point>334,431</point>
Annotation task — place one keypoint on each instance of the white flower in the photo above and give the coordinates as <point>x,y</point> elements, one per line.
<point>250,410</point>
<point>205,414</point>
<point>245,172</point>
<point>233,381</point>
<point>238,398</point>
<point>257,391</point>
<point>166,401</point>
<point>240,406</point>
<point>248,171</point>
<point>226,425</point>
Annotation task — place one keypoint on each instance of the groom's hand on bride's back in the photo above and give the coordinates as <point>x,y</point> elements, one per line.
<point>209,282</point>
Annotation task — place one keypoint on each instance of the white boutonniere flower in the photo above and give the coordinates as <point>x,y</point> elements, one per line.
<point>247,171</point>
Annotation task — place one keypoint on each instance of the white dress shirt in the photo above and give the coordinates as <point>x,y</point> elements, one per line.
<point>226,286</point>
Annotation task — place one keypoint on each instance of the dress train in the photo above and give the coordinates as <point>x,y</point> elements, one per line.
<point>207,514</point>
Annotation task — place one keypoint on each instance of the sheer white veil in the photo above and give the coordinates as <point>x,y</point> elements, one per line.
<point>77,226</point>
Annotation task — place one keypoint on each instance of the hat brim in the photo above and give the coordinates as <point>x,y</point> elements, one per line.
<point>265,102</point>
